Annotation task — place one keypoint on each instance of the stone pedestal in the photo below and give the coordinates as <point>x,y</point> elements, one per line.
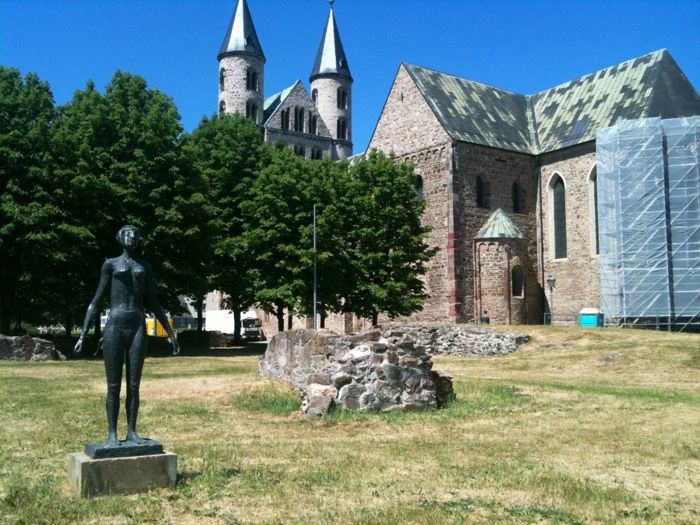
<point>97,477</point>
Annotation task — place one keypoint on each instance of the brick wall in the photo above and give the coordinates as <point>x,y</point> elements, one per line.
<point>578,278</point>
<point>498,170</point>
<point>494,261</point>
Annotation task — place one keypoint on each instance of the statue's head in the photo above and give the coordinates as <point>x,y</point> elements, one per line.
<point>128,236</point>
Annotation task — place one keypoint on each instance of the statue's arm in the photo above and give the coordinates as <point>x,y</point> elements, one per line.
<point>94,304</point>
<point>157,309</point>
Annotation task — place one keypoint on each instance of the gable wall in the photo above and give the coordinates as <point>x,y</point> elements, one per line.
<point>407,124</point>
<point>274,132</point>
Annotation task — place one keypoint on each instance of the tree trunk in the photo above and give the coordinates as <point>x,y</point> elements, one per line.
<point>68,325</point>
<point>280,318</point>
<point>375,318</point>
<point>290,320</point>
<point>323,320</point>
<point>236,324</point>
<point>199,305</point>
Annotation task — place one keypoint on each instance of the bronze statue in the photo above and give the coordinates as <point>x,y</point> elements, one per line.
<point>131,281</point>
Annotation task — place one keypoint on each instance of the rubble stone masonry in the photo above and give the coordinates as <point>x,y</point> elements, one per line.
<point>577,275</point>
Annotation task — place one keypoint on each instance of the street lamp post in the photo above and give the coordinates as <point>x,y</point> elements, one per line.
<point>551,281</point>
<point>315,270</point>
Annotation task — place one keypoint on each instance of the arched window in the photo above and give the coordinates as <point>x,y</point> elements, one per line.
<point>313,124</point>
<point>593,210</point>
<point>222,107</point>
<point>558,194</point>
<point>517,281</point>
<point>342,98</point>
<point>342,129</point>
<point>419,186</point>
<point>284,119</point>
<point>251,111</point>
<point>516,193</point>
<point>222,79</point>
<point>480,193</point>
<point>298,119</point>
<point>314,95</point>
<point>300,150</point>
<point>251,79</point>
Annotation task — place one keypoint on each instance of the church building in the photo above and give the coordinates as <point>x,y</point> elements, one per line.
<point>510,183</point>
<point>316,126</point>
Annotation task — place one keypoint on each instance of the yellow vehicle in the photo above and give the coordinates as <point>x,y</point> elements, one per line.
<point>155,329</point>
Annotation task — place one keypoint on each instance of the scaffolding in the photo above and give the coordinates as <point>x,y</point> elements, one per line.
<point>648,189</point>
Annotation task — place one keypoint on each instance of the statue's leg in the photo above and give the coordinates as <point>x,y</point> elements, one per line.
<point>114,361</point>
<point>134,367</point>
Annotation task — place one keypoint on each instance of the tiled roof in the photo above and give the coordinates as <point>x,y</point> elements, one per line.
<point>474,112</point>
<point>566,115</point>
<point>500,226</point>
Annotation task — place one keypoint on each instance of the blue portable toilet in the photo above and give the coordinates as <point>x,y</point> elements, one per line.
<point>591,318</point>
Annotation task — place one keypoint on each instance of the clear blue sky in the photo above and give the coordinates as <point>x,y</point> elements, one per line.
<point>522,46</point>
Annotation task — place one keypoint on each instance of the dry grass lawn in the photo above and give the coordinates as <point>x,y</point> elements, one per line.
<point>579,426</point>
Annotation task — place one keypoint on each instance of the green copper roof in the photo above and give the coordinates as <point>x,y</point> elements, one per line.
<point>474,112</point>
<point>500,226</point>
<point>649,86</point>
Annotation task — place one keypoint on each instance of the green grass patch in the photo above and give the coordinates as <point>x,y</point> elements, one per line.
<point>269,397</point>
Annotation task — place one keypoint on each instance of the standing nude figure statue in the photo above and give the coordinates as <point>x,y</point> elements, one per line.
<point>130,281</point>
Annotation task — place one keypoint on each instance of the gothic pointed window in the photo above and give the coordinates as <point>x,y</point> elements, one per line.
<point>222,79</point>
<point>593,210</point>
<point>517,197</point>
<point>314,96</point>
<point>313,124</point>
<point>558,208</point>
<point>222,107</point>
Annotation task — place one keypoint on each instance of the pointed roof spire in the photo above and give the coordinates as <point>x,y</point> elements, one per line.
<point>241,36</point>
<point>331,59</point>
<point>500,226</point>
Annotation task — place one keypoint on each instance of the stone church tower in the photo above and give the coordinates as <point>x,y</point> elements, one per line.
<point>316,126</point>
<point>242,67</point>
<point>331,87</point>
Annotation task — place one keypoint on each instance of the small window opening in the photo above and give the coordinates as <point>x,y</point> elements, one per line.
<point>517,281</point>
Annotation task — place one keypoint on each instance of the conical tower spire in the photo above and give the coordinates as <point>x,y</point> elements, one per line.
<point>331,59</point>
<point>241,37</point>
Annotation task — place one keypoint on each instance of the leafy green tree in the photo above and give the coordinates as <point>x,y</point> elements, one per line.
<point>119,161</point>
<point>31,240</point>
<point>385,238</point>
<point>279,235</point>
<point>227,153</point>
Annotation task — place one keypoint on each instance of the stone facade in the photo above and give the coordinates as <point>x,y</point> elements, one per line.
<point>577,276</point>
<point>233,86</point>
<point>242,91</point>
<point>480,148</point>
